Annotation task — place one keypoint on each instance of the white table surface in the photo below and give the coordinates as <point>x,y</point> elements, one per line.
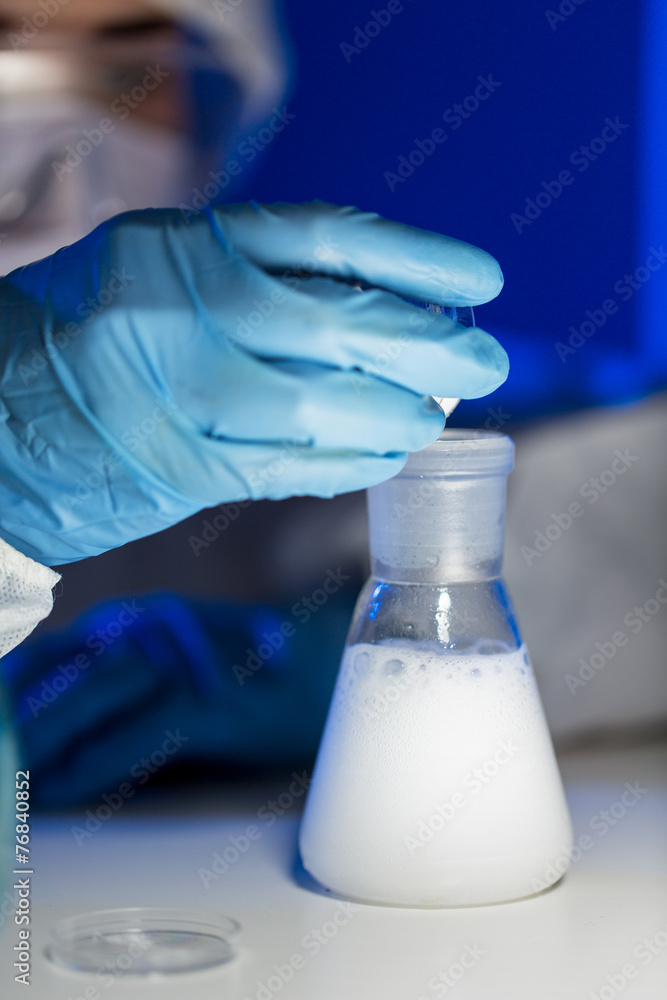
<point>561,945</point>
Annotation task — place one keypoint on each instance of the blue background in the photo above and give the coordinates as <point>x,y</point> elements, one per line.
<point>356,115</point>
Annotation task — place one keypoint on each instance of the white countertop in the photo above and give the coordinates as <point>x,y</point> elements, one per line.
<point>571,942</point>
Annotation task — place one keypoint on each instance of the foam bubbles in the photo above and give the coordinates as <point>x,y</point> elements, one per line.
<point>435,783</point>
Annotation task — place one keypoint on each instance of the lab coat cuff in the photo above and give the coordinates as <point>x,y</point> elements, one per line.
<point>26,595</point>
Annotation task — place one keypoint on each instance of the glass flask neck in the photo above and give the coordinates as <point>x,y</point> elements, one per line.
<point>442,518</point>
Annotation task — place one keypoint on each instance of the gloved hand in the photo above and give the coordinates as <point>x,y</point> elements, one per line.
<point>164,364</point>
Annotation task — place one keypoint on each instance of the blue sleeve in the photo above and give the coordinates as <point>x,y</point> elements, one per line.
<point>135,687</point>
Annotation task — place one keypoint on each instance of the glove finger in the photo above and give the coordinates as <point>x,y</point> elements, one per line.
<point>317,319</point>
<point>291,470</point>
<point>217,470</point>
<point>253,400</point>
<point>327,322</point>
<point>362,246</point>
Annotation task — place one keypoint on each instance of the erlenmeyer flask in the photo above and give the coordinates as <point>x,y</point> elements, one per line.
<point>436,782</point>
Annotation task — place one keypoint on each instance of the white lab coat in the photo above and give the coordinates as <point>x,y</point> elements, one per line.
<point>26,595</point>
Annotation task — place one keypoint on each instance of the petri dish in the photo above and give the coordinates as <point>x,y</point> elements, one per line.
<point>143,941</point>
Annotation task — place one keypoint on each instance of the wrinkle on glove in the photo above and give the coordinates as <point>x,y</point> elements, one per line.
<point>171,361</point>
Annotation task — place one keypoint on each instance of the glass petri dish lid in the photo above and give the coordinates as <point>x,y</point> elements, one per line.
<point>142,941</point>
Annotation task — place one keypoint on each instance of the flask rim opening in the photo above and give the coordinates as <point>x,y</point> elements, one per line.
<point>462,452</point>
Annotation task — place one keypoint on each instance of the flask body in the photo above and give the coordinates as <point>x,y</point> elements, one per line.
<point>436,783</point>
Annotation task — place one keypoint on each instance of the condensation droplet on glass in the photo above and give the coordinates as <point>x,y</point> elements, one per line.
<point>394,666</point>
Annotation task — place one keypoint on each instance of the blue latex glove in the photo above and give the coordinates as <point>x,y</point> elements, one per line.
<point>164,364</point>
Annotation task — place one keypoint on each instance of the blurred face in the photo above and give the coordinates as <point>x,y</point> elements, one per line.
<point>81,17</point>
<point>114,41</point>
<point>105,105</point>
